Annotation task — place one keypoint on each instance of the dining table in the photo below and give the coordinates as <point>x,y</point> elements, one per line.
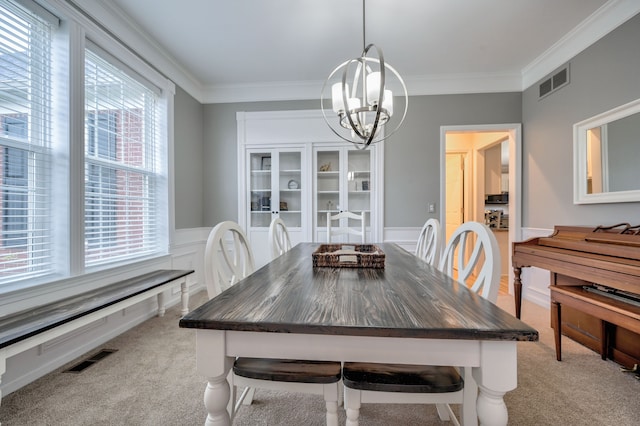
<point>405,312</point>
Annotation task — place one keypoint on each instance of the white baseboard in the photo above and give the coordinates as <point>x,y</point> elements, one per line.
<point>535,281</point>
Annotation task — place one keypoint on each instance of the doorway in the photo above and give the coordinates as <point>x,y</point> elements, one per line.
<point>464,180</point>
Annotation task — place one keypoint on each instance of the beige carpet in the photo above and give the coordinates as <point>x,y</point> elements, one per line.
<point>151,380</point>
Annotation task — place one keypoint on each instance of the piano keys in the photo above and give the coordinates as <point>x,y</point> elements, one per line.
<point>594,282</point>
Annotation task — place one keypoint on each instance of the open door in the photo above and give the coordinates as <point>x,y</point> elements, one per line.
<point>455,192</point>
<point>473,140</point>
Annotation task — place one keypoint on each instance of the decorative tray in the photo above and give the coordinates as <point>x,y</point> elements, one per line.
<point>348,256</point>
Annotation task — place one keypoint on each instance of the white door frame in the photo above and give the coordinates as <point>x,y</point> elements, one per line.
<point>515,175</point>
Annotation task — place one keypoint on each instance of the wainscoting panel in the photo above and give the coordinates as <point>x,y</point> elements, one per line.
<point>535,281</point>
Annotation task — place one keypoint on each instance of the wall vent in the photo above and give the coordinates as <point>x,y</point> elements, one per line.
<point>554,82</point>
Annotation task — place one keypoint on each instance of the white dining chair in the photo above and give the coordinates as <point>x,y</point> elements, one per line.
<point>472,256</point>
<point>229,259</point>
<point>334,231</point>
<point>278,238</point>
<point>473,249</point>
<point>430,242</point>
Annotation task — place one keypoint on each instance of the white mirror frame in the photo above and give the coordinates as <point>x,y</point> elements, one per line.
<point>580,195</point>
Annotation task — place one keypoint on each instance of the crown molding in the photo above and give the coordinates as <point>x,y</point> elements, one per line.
<point>121,26</point>
<point>416,85</point>
<point>609,17</point>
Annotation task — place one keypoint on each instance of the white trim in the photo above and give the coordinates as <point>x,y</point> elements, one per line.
<point>109,15</point>
<point>306,129</point>
<point>580,195</point>
<point>515,175</point>
<point>405,237</point>
<point>536,281</point>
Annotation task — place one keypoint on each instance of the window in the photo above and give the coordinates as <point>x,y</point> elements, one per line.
<point>14,178</point>
<point>100,209</point>
<point>25,139</point>
<point>121,167</point>
<point>63,214</point>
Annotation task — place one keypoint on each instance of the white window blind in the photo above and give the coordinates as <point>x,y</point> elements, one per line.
<point>25,144</point>
<point>122,165</point>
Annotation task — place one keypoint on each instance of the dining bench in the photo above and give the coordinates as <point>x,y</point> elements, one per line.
<point>26,329</point>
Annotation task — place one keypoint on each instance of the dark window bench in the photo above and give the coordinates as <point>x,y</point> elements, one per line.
<point>24,330</point>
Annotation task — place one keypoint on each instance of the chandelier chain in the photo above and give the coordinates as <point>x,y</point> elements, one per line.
<point>364,23</point>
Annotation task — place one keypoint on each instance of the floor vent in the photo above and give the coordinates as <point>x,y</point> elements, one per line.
<point>554,82</point>
<point>83,365</point>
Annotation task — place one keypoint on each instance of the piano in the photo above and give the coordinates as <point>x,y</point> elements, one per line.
<point>594,286</point>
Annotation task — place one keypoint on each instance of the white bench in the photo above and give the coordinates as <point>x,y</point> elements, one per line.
<point>24,330</point>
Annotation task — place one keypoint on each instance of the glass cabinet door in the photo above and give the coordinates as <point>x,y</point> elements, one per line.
<point>275,181</point>
<point>260,189</point>
<point>359,183</point>
<point>290,188</point>
<point>327,185</point>
<point>342,183</point>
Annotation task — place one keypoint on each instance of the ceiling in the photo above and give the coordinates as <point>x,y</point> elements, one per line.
<point>242,50</point>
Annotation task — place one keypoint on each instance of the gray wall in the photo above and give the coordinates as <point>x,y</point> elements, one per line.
<point>188,161</point>
<point>412,155</point>
<point>220,155</point>
<point>603,76</point>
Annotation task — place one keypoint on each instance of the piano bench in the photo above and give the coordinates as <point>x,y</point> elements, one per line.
<point>605,309</point>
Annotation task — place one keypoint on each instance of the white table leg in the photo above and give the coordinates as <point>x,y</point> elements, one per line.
<point>216,397</point>
<point>497,375</point>
<point>184,290</point>
<point>161,307</point>
<point>212,362</point>
<point>491,408</point>
<point>330,394</point>
<point>352,403</point>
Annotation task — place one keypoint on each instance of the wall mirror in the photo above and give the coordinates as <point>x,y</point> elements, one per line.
<point>606,150</point>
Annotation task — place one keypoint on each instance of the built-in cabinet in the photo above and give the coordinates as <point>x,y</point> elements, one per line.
<point>342,183</point>
<point>276,187</point>
<point>290,165</point>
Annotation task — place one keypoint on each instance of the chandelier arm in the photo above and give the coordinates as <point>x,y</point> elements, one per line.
<point>322,108</point>
<point>347,111</point>
<point>376,120</point>
<point>406,103</point>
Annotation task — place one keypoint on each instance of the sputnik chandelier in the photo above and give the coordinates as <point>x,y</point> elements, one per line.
<point>369,105</point>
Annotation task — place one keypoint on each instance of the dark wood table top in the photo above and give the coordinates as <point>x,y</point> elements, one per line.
<point>408,298</point>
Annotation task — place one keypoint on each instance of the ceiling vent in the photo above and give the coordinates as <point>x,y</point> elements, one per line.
<point>553,83</point>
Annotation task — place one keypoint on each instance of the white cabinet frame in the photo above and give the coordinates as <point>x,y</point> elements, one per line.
<point>302,129</point>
